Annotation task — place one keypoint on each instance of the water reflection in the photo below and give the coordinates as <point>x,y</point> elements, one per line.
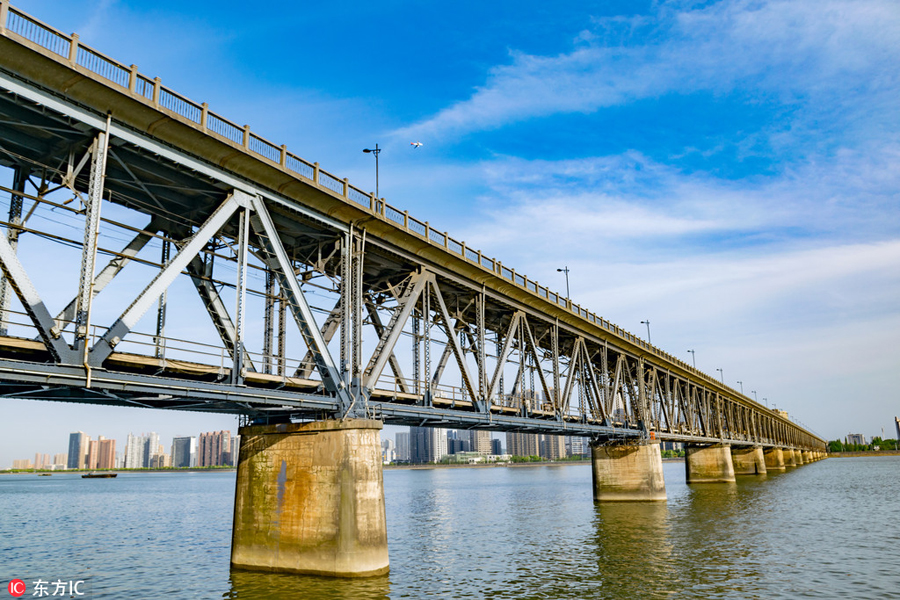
<point>250,585</point>
<point>634,550</point>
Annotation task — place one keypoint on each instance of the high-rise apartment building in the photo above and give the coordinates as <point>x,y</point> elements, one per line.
<point>522,444</point>
<point>78,449</point>
<point>151,448</point>
<point>61,459</point>
<point>577,446</point>
<point>427,444</point>
<point>553,447</point>
<point>214,449</point>
<point>106,453</point>
<point>42,461</point>
<point>481,442</point>
<point>402,440</point>
<point>184,452</point>
<point>134,452</point>
<point>387,451</point>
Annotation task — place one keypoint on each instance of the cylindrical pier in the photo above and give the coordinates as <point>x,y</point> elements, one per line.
<point>748,460</point>
<point>774,459</point>
<point>627,473</point>
<point>708,463</point>
<point>309,498</point>
<point>789,457</point>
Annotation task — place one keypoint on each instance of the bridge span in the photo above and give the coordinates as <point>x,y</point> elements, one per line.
<point>324,312</point>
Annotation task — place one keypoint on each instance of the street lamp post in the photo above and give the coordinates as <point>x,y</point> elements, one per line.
<point>722,375</point>
<point>376,151</point>
<point>694,357</point>
<point>741,383</point>
<point>647,323</point>
<point>566,271</point>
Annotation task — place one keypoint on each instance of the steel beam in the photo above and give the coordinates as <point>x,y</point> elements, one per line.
<point>104,346</point>
<point>277,260</point>
<point>18,279</point>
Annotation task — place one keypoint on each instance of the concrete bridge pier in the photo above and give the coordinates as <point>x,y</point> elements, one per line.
<point>799,457</point>
<point>748,460</point>
<point>627,472</point>
<point>789,457</point>
<point>708,463</point>
<point>309,498</point>
<point>774,459</point>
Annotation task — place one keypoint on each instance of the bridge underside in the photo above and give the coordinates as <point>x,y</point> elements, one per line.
<point>196,271</point>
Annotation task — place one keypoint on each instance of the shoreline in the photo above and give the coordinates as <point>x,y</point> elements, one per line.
<point>548,463</point>
<point>73,471</point>
<point>856,454</point>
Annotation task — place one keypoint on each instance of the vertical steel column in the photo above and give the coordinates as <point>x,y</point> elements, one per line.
<point>482,351</point>
<point>500,365</point>
<point>426,340</point>
<point>346,290</point>
<point>240,296</point>
<point>356,318</point>
<point>282,331</point>
<point>643,410</point>
<point>161,310</point>
<point>415,352</point>
<point>554,341</point>
<point>268,322</point>
<point>91,235</point>
<point>20,176</point>
<point>462,376</point>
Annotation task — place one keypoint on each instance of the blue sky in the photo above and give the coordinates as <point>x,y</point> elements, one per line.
<point>728,170</point>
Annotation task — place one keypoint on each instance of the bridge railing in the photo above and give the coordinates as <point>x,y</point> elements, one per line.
<point>25,27</point>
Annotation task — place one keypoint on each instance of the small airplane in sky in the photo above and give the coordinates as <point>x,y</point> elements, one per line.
<point>415,144</point>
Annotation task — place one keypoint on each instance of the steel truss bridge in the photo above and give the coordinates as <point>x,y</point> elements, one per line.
<point>316,299</point>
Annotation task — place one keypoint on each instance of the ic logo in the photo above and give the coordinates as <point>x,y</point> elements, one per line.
<point>16,588</point>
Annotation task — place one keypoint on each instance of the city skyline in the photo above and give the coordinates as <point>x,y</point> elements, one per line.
<point>138,451</point>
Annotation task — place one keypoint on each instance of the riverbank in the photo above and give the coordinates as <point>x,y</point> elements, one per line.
<point>546,463</point>
<point>864,453</point>
<point>170,470</point>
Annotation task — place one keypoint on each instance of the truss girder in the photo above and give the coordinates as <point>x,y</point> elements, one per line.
<point>619,386</point>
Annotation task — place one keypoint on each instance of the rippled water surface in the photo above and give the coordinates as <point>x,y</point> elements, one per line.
<point>825,530</point>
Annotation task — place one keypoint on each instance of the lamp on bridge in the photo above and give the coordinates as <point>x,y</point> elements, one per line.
<point>566,271</point>
<point>694,356</point>
<point>741,383</point>
<point>376,151</point>
<point>647,323</point>
<point>722,375</point>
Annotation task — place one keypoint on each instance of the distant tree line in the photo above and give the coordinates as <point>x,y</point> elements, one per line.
<point>877,444</point>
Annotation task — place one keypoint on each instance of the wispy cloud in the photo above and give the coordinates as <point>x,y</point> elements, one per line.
<point>790,51</point>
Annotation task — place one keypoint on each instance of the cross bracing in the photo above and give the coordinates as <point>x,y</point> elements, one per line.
<point>317,300</point>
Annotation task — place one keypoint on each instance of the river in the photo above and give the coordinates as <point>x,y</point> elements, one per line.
<point>823,530</point>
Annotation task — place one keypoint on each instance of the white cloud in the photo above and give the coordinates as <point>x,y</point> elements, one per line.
<point>791,49</point>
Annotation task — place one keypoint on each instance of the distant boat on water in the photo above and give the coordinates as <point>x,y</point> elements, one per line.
<point>93,475</point>
<point>44,474</point>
